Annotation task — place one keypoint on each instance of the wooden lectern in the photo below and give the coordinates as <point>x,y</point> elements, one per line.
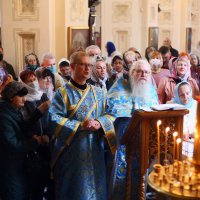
<point>140,139</point>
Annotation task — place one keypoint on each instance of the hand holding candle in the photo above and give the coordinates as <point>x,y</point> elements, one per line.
<point>158,135</point>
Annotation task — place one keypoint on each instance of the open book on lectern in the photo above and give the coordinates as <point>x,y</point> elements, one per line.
<point>171,106</point>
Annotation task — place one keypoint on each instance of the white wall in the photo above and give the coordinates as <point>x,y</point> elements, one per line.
<point>126,23</point>
<point>12,26</point>
<point>122,24</point>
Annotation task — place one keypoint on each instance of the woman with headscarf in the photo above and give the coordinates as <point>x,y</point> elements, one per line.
<point>183,95</point>
<point>148,52</point>
<point>195,68</point>
<point>46,81</point>
<point>182,73</point>
<point>129,58</point>
<point>14,144</point>
<point>99,76</point>
<point>38,159</point>
<point>32,62</point>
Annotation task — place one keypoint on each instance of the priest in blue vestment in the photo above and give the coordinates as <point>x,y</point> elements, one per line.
<point>124,97</point>
<point>81,129</point>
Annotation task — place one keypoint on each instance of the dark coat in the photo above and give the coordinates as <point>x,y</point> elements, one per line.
<point>9,68</point>
<point>174,52</point>
<point>109,83</point>
<point>13,148</point>
<point>40,126</point>
<point>38,165</point>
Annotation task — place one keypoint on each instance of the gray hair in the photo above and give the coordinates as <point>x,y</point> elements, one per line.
<point>46,56</point>
<point>91,47</point>
<point>137,64</point>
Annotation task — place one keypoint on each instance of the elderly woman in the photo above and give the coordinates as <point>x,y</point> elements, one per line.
<point>14,144</point>
<point>166,86</point>
<point>195,68</point>
<point>32,62</point>
<point>183,95</point>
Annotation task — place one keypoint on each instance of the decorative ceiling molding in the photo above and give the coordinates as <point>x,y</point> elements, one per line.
<point>122,12</point>
<point>25,9</point>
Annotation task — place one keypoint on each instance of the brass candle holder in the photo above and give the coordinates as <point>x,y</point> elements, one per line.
<point>182,178</point>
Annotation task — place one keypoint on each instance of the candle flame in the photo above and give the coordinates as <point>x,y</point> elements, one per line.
<point>178,140</point>
<point>167,129</point>
<point>159,122</point>
<point>175,134</point>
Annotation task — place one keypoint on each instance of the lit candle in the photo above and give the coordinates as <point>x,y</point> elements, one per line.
<point>178,141</point>
<point>166,133</point>
<point>158,135</point>
<point>174,149</point>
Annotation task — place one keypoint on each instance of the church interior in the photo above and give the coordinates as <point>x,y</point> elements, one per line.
<point>63,26</point>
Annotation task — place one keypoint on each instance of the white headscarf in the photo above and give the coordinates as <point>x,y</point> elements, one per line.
<point>34,94</point>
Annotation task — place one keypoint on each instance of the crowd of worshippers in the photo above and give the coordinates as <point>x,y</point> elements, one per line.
<point>51,110</point>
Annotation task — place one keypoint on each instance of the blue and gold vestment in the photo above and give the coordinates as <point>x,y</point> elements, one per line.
<point>121,105</point>
<point>78,155</point>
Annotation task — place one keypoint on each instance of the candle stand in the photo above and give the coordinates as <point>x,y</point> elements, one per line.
<point>180,180</point>
<point>141,139</point>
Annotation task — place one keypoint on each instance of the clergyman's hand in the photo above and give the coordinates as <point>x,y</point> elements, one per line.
<point>95,125</point>
<point>91,125</point>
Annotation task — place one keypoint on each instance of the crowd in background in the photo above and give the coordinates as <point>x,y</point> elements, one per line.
<point>26,142</point>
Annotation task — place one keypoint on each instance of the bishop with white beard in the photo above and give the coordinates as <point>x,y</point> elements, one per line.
<point>142,90</point>
<point>124,97</point>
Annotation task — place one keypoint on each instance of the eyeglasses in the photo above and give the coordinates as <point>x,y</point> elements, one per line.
<point>139,71</point>
<point>85,65</point>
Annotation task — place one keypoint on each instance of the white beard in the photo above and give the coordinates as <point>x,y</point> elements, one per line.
<point>140,89</point>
